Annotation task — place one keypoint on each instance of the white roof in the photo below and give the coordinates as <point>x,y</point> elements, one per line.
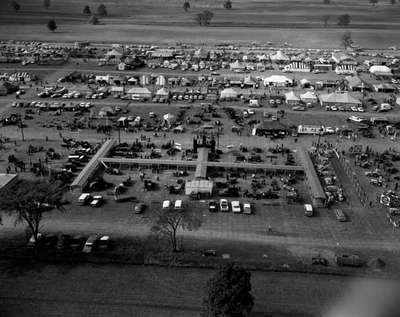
<point>291,96</point>
<point>162,92</point>
<point>309,95</point>
<point>277,79</point>
<point>229,93</point>
<point>6,179</point>
<point>139,90</point>
<point>279,56</point>
<point>381,69</point>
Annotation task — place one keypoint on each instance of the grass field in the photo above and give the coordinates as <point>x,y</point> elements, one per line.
<point>299,22</point>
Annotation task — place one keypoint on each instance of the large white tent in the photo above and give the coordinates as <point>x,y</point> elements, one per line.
<point>228,93</point>
<point>277,80</point>
<point>343,98</point>
<point>279,57</point>
<point>309,97</point>
<point>291,98</point>
<point>380,70</point>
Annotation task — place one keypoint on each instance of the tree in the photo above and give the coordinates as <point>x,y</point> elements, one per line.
<point>186,6</point>
<point>344,20</point>
<point>46,3</point>
<point>93,20</point>
<point>204,18</point>
<point>373,2</point>
<point>102,10</point>
<point>86,10</point>
<point>52,25</point>
<point>228,4</point>
<point>347,40</point>
<point>29,200</point>
<point>326,19</point>
<point>327,1</point>
<point>15,6</point>
<point>228,293</point>
<point>169,223</point>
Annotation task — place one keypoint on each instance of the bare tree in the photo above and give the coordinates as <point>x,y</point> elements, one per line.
<point>228,4</point>
<point>86,10</point>
<point>15,6</point>
<point>344,20</point>
<point>186,6</point>
<point>168,223</point>
<point>46,3</point>
<point>52,25</point>
<point>346,40</point>
<point>204,18</point>
<point>102,10</point>
<point>28,201</point>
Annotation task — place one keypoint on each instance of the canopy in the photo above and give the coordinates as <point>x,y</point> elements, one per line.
<point>291,97</point>
<point>340,98</point>
<point>277,79</point>
<point>162,92</point>
<point>279,56</point>
<point>229,93</point>
<point>380,70</point>
<point>236,65</point>
<point>309,96</point>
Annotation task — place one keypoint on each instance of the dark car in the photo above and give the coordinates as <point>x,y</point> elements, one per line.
<point>210,252</point>
<point>212,206</point>
<point>63,242</point>
<point>77,243</point>
<point>139,208</point>
<point>318,260</point>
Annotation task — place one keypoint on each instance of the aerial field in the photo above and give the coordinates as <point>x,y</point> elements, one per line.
<point>299,22</point>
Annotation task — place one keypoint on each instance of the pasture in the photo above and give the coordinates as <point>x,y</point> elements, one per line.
<point>299,22</point>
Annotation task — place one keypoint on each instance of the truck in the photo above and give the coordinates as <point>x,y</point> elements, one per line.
<point>348,260</point>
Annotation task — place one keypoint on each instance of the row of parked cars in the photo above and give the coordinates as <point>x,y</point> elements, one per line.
<point>235,206</point>
<point>65,242</point>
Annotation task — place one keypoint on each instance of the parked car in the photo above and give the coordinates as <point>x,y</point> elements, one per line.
<point>247,208</point>
<point>90,243</point>
<point>348,260</point>
<point>97,201</point>
<point>223,205</point>
<point>139,208</point>
<point>212,206</point>
<point>236,206</point>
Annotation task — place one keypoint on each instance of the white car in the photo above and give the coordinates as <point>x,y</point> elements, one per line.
<point>97,201</point>
<point>251,112</point>
<point>247,208</point>
<point>334,108</point>
<point>330,130</point>
<point>355,119</point>
<point>223,205</point>
<point>236,206</point>
<point>361,109</point>
<point>166,204</point>
<point>354,108</point>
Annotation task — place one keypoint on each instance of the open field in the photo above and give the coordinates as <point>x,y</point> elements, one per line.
<point>166,22</point>
<point>146,291</point>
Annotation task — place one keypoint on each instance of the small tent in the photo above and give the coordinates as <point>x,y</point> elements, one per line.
<point>309,97</point>
<point>291,98</point>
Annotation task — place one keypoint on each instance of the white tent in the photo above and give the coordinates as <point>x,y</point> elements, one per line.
<point>160,81</point>
<point>398,101</point>
<point>309,97</point>
<point>380,70</point>
<point>169,118</point>
<point>162,92</point>
<point>343,98</point>
<point>237,66</point>
<point>279,57</point>
<point>228,93</point>
<point>291,97</point>
<point>277,80</point>
<point>144,80</point>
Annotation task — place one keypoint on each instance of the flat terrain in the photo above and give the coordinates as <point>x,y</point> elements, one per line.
<point>115,291</point>
<point>165,22</point>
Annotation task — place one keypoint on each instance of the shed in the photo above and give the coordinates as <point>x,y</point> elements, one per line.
<point>199,186</point>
